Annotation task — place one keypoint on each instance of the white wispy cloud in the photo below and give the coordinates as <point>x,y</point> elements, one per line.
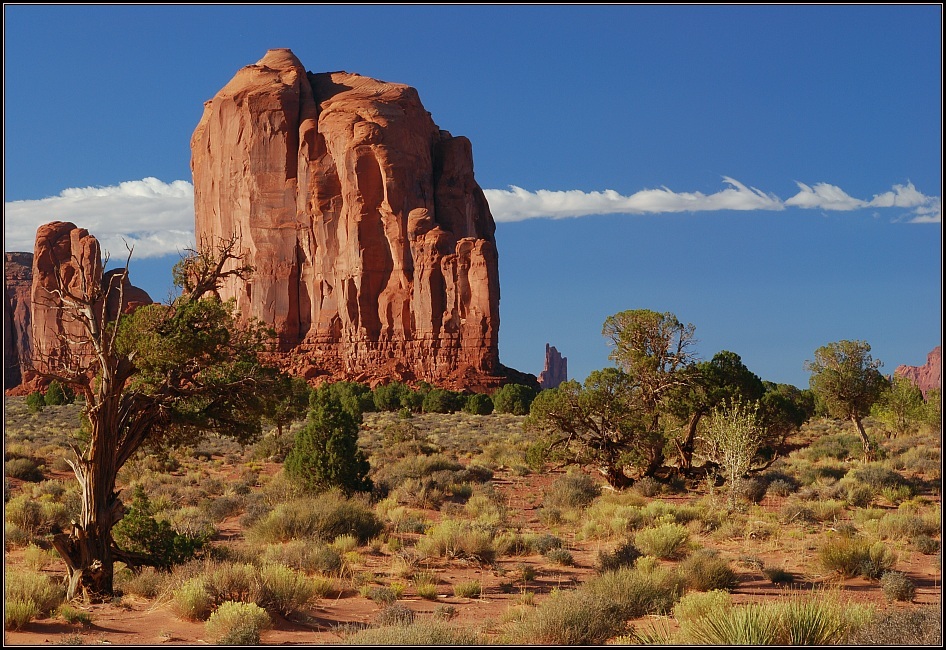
<point>157,218</point>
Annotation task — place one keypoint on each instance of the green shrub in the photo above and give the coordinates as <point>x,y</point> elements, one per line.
<point>901,627</point>
<point>696,605</point>
<point>389,396</point>
<point>394,614</point>
<point>325,453</point>
<point>235,623</point>
<point>191,600</point>
<point>706,571</point>
<point>427,633</point>
<point>478,404</point>
<point>648,487</point>
<point>561,556</point>
<point>28,595</point>
<point>35,402</point>
<point>73,616</point>
<point>925,544</point>
<point>457,539</point>
<point>322,517</point>
<point>573,490</point>
<point>624,555</point>
<point>442,401</point>
<point>24,469</point>
<point>664,542</point>
<point>751,624</point>
<point>18,612</point>
<point>284,590</point>
<point>469,589</point>
<point>147,583</point>
<point>309,556</point>
<point>811,620</point>
<point>139,532</point>
<point>543,543</point>
<point>569,618</point>
<point>897,586</point>
<point>850,556</point>
<point>781,487</point>
<point>639,591</point>
<point>514,398</point>
<point>57,394</point>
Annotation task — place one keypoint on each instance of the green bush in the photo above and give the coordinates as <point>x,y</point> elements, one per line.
<point>921,626</point>
<point>513,398</point>
<point>569,618</point>
<point>457,539</point>
<point>325,451</point>
<point>394,614</point>
<point>388,397</point>
<point>24,469</point>
<point>17,613</point>
<point>706,571</point>
<point>751,624</point>
<point>425,633</point>
<point>811,620</point>
<point>284,590</point>
<point>478,404</point>
<point>323,517</point>
<point>57,394</point>
<point>305,555</point>
<point>28,595</point>
<point>139,532</point>
<point>897,586</point>
<point>624,555</point>
<point>561,556</point>
<point>571,491</point>
<point>469,589</point>
<point>851,556</point>
<point>236,623</point>
<point>696,605</point>
<point>665,542</point>
<point>35,402</point>
<point>645,589</point>
<point>442,401</point>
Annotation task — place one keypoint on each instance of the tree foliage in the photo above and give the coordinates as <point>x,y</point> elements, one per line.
<point>846,379</point>
<point>325,452</point>
<point>601,424</point>
<point>513,398</point>
<point>900,406</point>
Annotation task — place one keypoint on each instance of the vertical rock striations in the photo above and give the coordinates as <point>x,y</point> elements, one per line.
<point>18,272</point>
<point>372,244</point>
<point>556,368</point>
<point>64,256</point>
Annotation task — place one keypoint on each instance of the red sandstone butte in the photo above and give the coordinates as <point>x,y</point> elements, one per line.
<point>926,377</point>
<point>372,244</point>
<point>556,368</point>
<point>62,251</point>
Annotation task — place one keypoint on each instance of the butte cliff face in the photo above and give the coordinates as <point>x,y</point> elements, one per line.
<point>928,376</point>
<point>63,253</point>
<point>372,244</point>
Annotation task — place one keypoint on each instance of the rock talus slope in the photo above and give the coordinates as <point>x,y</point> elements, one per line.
<point>372,244</point>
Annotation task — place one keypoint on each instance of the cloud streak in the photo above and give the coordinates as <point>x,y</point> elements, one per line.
<point>517,204</point>
<point>157,218</point>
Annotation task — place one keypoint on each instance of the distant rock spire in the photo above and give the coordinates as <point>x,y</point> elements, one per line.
<point>556,368</point>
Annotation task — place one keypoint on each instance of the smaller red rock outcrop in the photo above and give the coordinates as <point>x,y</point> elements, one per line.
<point>18,272</point>
<point>65,256</point>
<point>556,368</point>
<point>926,377</point>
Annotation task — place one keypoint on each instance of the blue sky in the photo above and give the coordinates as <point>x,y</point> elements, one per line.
<point>771,174</point>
